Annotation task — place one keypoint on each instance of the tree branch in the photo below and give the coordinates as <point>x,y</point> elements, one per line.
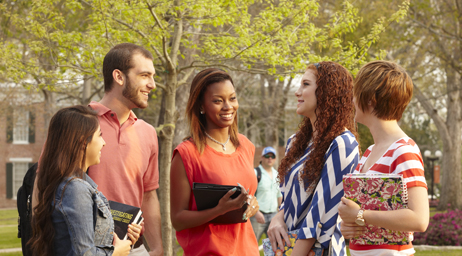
<point>141,33</point>
<point>432,112</point>
<point>177,35</point>
<point>447,36</point>
<point>154,15</point>
<point>161,86</point>
<point>185,77</point>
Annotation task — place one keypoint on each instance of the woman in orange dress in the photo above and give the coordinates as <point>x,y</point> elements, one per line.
<point>213,153</point>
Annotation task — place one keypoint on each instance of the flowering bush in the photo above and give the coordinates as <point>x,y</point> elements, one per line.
<point>444,229</point>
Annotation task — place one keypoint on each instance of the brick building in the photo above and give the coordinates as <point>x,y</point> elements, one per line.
<point>22,134</point>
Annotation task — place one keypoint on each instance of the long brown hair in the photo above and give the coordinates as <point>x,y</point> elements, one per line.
<point>334,113</point>
<point>70,130</point>
<point>197,122</point>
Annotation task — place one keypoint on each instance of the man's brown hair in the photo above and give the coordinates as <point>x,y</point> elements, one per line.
<point>386,87</point>
<point>120,57</point>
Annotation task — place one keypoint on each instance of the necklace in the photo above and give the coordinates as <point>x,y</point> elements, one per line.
<point>216,141</point>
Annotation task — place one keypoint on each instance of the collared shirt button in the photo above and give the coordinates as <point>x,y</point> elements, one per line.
<point>319,225</point>
<point>112,114</point>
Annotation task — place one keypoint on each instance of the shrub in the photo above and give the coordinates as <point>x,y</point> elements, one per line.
<point>443,229</point>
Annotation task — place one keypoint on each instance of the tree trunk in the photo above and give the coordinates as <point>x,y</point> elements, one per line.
<point>86,90</point>
<point>166,141</point>
<point>168,130</point>
<point>49,107</point>
<point>451,188</point>
<point>450,133</point>
<point>277,93</point>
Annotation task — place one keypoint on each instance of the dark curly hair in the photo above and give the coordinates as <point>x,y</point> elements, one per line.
<point>334,113</point>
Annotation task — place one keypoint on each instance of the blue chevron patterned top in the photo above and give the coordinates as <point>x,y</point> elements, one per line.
<point>315,214</point>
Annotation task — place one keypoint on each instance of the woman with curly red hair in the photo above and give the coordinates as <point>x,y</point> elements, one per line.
<point>317,156</point>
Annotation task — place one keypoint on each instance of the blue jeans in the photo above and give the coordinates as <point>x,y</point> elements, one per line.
<point>259,228</point>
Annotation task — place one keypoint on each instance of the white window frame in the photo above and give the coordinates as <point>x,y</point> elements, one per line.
<point>20,127</point>
<point>14,161</point>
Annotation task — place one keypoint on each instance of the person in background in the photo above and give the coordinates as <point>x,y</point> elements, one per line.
<point>72,216</point>
<point>317,156</point>
<point>268,195</point>
<point>214,153</point>
<point>382,91</point>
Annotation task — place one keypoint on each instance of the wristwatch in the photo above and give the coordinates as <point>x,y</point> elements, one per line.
<point>360,219</point>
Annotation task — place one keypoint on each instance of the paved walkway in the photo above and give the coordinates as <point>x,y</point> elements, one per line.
<point>434,247</point>
<point>10,250</point>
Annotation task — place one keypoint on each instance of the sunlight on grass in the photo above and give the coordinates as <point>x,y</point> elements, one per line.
<point>433,211</point>
<point>9,217</point>
<point>8,237</point>
<point>9,230</point>
<point>11,254</point>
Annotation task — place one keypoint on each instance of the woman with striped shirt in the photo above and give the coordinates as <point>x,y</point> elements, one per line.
<point>382,91</point>
<point>317,156</point>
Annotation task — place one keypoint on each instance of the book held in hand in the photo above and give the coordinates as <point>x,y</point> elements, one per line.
<point>286,251</point>
<point>208,195</point>
<point>123,215</point>
<point>379,192</point>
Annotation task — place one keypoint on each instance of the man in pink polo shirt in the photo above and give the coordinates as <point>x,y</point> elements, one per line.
<point>128,172</point>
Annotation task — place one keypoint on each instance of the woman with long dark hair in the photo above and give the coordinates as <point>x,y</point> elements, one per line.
<point>72,217</point>
<point>213,153</point>
<point>317,156</point>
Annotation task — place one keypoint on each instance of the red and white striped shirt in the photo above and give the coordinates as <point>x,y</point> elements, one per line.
<point>402,157</point>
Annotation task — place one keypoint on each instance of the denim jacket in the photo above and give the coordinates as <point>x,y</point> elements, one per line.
<point>82,220</point>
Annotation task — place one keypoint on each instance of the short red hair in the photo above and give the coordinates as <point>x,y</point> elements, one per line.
<point>386,87</point>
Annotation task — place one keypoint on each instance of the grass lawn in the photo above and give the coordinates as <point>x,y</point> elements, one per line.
<point>418,253</point>
<point>437,253</point>
<point>433,211</point>
<point>9,217</point>
<point>9,229</point>
<point>8,237</point>
<point>11,254</point>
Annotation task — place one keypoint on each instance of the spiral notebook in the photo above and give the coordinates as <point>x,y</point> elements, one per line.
<point>380,192</point>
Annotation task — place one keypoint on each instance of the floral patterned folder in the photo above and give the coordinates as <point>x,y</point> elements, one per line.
<point>268,250</point>
<point>380,192</point>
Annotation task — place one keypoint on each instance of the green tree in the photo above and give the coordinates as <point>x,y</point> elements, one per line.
<point>427,43</point>
<point>257,37</point>
<point>432,55</point>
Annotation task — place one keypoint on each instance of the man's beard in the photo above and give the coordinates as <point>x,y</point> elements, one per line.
<point>131,94</point>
